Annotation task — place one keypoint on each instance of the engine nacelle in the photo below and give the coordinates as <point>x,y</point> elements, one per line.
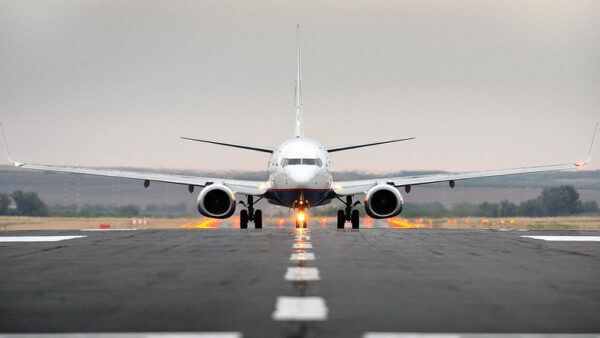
<point>383,201</point>
<point>216,201</point>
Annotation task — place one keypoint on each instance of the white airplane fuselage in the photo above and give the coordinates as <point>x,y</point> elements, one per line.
<point>299,171</point>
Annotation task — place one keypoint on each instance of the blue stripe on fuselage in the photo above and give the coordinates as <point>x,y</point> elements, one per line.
<point>289,196</point>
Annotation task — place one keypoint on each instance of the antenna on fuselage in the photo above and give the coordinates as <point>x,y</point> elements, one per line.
<point>298,96</point>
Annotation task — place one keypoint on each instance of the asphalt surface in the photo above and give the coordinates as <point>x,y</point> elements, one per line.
<point>371,280</point>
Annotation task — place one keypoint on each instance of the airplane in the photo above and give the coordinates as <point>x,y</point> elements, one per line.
<point>300,178</point>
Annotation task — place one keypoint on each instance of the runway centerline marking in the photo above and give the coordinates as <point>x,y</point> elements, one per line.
<point>300,308</point>
<point>566,238</point>
<point>308,256</point>
<point>9,239</point>
<point>302,246</point>
<point>302,274</point>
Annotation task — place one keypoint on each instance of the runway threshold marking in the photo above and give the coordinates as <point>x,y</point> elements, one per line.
<point>300,308</point>
<point>302,274</point>
<point>8,239</point>
<point>566,238</point>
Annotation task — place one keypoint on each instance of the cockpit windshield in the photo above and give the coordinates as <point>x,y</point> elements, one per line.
<point>301,161</point>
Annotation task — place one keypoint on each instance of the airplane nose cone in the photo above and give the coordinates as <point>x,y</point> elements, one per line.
<point>301,177</point>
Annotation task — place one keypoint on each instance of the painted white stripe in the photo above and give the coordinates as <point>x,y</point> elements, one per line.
<point>302,246</point>
<point>300,308</point>
<point>566,238</point>
<point>37,238</point>
<point>108,229</point>
<point>474,335</point>
<point>130,335</point>
<point>308,256</point>
<point>303,238</point>
<point>302,274</point>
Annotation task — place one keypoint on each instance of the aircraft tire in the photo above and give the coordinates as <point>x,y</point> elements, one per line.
<point>341,219</point>
<point>258,219</point>
<point>244,219</point>
<point>355,219</point>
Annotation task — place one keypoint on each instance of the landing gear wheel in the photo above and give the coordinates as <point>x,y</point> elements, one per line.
<point>297,224</point>
<point>304,223</point>
<point>355,219</point>
<point>258,219</point>
<point>244,219</point>
<point>341,219</point>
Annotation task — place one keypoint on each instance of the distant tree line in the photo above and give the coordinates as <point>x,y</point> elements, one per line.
<point>27,204</point>
<point>556,201</point>
<point>96,210</point>
<point>30,204</point>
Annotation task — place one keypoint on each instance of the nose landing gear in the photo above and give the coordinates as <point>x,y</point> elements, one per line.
<point>301,217</point>
<point>250,214</point>
<point>348,214</point>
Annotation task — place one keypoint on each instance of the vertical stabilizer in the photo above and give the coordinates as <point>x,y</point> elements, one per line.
<point>298,101</point>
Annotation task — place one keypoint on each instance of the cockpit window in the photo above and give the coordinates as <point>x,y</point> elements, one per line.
<point>301,161</point>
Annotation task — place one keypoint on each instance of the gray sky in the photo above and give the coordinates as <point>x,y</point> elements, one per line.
<point>481,84</point>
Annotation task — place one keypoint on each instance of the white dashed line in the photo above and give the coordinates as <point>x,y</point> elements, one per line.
<point>108,229</point>
<point>302,274</point>
<point>300,308</point>
<point>309,256</point>
<point>302,246</point>
<point>303,238</point>
<point>566,238</point>
<point>37,238</point>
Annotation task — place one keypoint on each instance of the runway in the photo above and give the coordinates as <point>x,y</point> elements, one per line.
<point>291,283</point>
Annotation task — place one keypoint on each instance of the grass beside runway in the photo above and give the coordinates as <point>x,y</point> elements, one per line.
<point>8,223</point>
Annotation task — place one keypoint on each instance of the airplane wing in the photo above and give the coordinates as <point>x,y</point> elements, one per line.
<point>238,186</point>
<point>255,188</point>
<point>344,188</point>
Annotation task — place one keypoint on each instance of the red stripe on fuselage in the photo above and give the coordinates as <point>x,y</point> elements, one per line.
<point>300,189</point>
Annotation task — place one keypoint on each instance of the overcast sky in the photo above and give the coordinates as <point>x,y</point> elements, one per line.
<point>481,84</point>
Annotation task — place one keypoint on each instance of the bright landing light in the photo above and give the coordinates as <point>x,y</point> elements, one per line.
<point>300,217</point>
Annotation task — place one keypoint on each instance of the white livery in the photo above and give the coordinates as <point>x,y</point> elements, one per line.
<point>299,178</point>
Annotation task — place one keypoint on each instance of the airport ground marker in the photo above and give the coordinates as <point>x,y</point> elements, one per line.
<point>566,238</point>
<point>302,274</point>
<point>9,239</point>
<point>300,308</point>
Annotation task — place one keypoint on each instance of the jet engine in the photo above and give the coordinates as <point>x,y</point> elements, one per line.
<point>383,201</point>
<point>216,201</point>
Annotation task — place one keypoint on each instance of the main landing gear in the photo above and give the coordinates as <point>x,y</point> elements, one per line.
<point>348,214</point>
<point>250,214</point>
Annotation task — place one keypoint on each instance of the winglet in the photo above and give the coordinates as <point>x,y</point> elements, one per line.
<point>581,164</point>
<point>14,163</point>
